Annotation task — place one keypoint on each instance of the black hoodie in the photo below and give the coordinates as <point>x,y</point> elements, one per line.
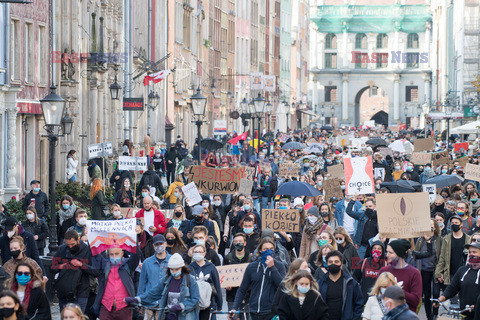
<point>367,271</point>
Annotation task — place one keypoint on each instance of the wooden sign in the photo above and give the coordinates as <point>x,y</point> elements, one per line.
<point>231,275</point>
<point>427,144</point>
<point>403,215</point>
<point>472,172</point>
<point>287,220</point>
<point>385,151</point>
<point>421,158</point>
<point>288,169</point>
<point>332,188</point>
<point>216,181</point>
<point>439,158</point>
<point>245,187</point>
<point>336,171</point>
<point>462,161</point>
<point>128,213</point>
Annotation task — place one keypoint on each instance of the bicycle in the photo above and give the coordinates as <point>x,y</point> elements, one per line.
<point>453,312</point>
<point>212,312</point>
<point>154,309</point>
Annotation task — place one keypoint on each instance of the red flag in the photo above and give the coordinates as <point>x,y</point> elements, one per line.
<point>155,77</point>
<point>235,140</point>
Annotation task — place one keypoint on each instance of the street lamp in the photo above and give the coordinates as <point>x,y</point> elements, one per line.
<point>199,102</point>
<point>245,113</point>
<point>259,103</point>
<point>154,98</point>
<point>268,110</point>
<point>322,111</point>
<point>115,89</point>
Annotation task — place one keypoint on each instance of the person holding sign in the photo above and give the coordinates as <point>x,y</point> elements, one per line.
<point>153,220</point>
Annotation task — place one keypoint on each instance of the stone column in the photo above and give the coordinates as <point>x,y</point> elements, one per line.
<point>345,97</point>
<point>396,97</point>
<point>93,108</point>
<point>11,188</point>
<point>344,47</point>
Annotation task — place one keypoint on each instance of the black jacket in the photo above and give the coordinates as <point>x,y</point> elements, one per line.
<point>150,178</point>
<point>313,308</point>
<point>119,199</point>
<point>38,305</point>
<point>31,249</point>
<point>171,155</point>
<point>273,188</point>
<point>42,206</point>
<point>122,174</point>
<point>37,228</point>
<point>99,206</point>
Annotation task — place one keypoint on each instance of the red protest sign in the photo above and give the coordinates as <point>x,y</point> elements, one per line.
<point>457,147</point>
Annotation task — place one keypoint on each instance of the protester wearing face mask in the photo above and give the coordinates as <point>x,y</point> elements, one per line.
<point>70,258</point>
<point>341,292</point>
<point>198,220</point>
<point>367,226</point>
<point>468,222</point>
<point>346,247</point>
<point>427,173</point>
<point>116,213</point>
<point>10,306</point>
<point>38,199</point>
<point>99,207</point>
<point>125,197</point>
<point>343,219</point>
<point>252,234</point>
<point>368,270</point>
<point>174,242</point>
<point>178,221</point>
<point>314,226</point>
<point>411,174</point>
<point>30,290</point>
<point>474,202</point>
<point>199,235</point>
<point>115,283</point>
<point>393,301</point>
<point>12,228</point>
<point>397,172</point>
<point>80,226</point>
<point>206,271</point>
<point>154,219</point>
<point>144,240</point>
<point>37,227</point>
<point>374,308</point>
<point>150,179</point>
<point>66,213</point>
<point>440,218</point>
<point>302,301</point>
<point>412,280</point>
<point>382,167</point>
<point>17,248</point>
<point>171,196</point>
<point>152,272</point>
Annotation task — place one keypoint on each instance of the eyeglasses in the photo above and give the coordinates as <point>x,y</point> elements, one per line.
<point>23,273</point>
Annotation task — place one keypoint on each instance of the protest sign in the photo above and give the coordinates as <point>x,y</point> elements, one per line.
<point>288,169</point>
<point>343,140</point>
<point>216,181</point>
<point>462,161</point>
<point>439,158</point>
<point>403,215</point>
<point>100,150</point>
<point>245,187</point>
<point>249,173</point>
<point>332,188</point>
<point>231,275</point>
<point>472,172</point>
<point>129,212</point>
<point>460,147</point>
<point>379,173</point>
<point>132,163</point>
<point>395,128</point>
<point>359,175</point>
<point>336,171</point>
<point>191,193</point>
<point>432,191</point>
<point>427,144</point>
<point>106,234</point>
<point>281,220</point>
<point>384,151</point>
<point>408,147</point>
<point>421,158</point>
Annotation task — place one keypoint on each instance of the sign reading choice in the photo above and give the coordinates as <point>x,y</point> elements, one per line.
<point>281,220</point>
<point>359,175</point>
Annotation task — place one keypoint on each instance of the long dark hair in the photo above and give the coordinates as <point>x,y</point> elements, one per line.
<point>71,153</point>
<point>123,190</point>
<point>179,245</point>
<point>9,293</point>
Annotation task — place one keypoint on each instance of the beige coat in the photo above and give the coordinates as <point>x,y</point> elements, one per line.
<point>306,243</point>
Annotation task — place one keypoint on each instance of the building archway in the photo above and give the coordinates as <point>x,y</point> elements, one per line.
<point>370,101</point>
<point>381,117</point>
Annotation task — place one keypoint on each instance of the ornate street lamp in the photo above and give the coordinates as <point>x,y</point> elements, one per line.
<point>199,102</point>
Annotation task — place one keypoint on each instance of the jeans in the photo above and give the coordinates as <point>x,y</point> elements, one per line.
<point>73,178</point>
<point>361,251</point>
<point>81,302</point>
<point>265,203</point>
<point>256,205</point>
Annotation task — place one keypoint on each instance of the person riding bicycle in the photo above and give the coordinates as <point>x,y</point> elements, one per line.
<point>466,282</point>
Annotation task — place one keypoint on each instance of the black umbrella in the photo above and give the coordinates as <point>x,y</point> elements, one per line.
<point>293,145</point>
<point>444,180</point>
<point>327,127</point>
<point>211,144</point>
<point>395,187</point>
<point>415,185</point>
<point>377,142</point>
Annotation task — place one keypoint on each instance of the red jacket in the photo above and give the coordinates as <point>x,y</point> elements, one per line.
<point>159,220</point>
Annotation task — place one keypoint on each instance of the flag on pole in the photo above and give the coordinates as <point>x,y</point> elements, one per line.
<point>235,140</point>
<point>155,77</point>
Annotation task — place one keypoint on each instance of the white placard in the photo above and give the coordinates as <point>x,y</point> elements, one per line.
<point>191,193</point>
<point>132,163</point>
<point>100,150</point>
<point>432,191</point>
<point>105,234</point>
<point>148,221</point>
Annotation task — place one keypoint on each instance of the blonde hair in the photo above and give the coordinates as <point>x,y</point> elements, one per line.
<point>343,232</point>
<point>75,309</point>
<point>291,287</point>
<point>383,280</point>
<point>19,240</point>
<point>294,267</point>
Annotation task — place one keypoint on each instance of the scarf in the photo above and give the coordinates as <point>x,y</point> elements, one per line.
<point>28,290</point>
<point>142,240</point>
<point>310,230</point>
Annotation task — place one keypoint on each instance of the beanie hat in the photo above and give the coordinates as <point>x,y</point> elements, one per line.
<point>197,210</point>
<point>268,233</point>
<point>297,202</point>
<point>176,261</point>
<point>401,247</point>
<point>313,211</point>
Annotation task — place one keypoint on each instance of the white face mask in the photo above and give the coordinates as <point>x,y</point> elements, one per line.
<point>116,214</point>
<point>205,204</point>
<point>30,216</point>
<point>312,219</point>
<point>11,233</point>
<point>82,221</point>
<point>217,203</point>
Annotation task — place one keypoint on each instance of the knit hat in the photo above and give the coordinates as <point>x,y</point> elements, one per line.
<point>268,233</point>
<point>456,216</point>
<point>197,210</point>
<point>313,211</point>
<point>395,293</point>
<point>401,247</point>
<point>176,261</point>
<point>297,202</point>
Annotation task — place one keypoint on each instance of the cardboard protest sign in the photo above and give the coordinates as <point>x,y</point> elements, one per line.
<point>332,188</point>
<point>472,172</point>
<point>336,171</point>
<point>421,158</point>
<point>439,158</point>
<point>216,181</point>
<point>432,191</point>
<point>245,187</point>
<point>191,193</point>
<point>460,147</point>
<point>249,173</point>
<point>462,161</point>
<point>359,175</point>
<point>427,144</point>
<point>288,169</point>
<point>106,234</point>
<point>231,275</point>
<point>384,151</point>
<point>281,220</point>
<point>343,140</point>
<point>129,212</point>
<point>395,128</point>
<point>403,215</point>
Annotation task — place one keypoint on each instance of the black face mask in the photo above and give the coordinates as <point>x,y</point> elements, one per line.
<point>334,269</point>
<point>6,312</point>
<point>15,253</point>
<point>178,214</point>
<point>456,227</point>
<point>198,219</point>
<point>170,242</point>
<point>75,248</point>
<point>439,208</point>
<point>239,246</point>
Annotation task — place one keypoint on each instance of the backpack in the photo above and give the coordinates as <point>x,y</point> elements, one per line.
<point>205,290</point>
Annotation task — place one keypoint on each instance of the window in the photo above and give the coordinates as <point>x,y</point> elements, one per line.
<point>330,41</point>
<point>330,60</point>
<point>186,29</point>
<point>373,91</point>
<point>362,64</point>
<point>411,94</point>
<point>382,60</point>
<point>178,22</point>
<point>412,60</point>
<point>41,65</point>
<point>15,50</point>
<point>382,41</point>
<point>29,53</point>
<point>331,94</point>
<point>361,41</point>
<point>412,41</point>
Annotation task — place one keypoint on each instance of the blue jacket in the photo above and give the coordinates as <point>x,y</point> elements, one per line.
<point>263,283</point>
<point>125,271</point>
<point>209,269</point>
<point>189,297</point>
<point>152,273</point>
<point>352,296</point>
<point>362,219</point>
<point>340,209</point>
